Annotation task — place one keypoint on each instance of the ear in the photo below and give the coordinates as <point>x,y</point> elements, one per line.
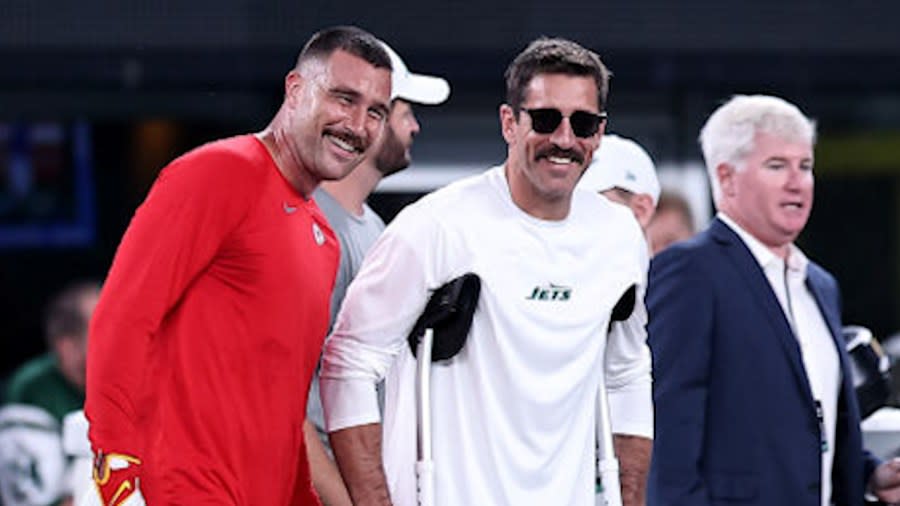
<point>725,175</point>
<point>642,206</point>
<point>508,123</point>
<point>293,84</point>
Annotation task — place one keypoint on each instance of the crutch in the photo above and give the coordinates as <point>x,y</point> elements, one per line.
<point>424,463</point>
<point>607,463</point>
<point>439,334</point>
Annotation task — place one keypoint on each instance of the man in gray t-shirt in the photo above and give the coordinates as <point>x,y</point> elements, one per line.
<point>357,227</point>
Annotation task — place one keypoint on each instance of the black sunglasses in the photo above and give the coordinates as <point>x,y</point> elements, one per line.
<point>584,124</point>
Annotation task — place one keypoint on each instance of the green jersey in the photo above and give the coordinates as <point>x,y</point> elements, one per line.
<point>31,455</point>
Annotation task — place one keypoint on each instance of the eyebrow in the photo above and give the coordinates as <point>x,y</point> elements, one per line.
<point>784,159</point>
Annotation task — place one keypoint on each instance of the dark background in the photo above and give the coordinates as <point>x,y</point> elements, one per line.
<point>155,78</point>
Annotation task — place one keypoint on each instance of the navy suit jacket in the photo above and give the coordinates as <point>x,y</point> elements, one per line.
<point>735,417</point>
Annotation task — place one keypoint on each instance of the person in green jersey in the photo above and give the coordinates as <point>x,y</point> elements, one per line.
<point>33,466</point>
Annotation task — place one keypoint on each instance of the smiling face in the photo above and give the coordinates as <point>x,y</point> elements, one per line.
<point>542,169</point>
<point>336,110</point>
<point>772,195</point>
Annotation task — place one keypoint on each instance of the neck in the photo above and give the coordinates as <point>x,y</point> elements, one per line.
<point>524,196</point>
<point>782,249</point>
<point>782,252</point>
<point>287,161</point>
<point>352,191</point>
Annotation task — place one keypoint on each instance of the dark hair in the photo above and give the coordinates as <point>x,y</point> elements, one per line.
<point>553,56</point>
<point>63,315</point>
<point>351,39</point>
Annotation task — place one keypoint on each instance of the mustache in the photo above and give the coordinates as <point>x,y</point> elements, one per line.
<point>559,152</point>
<point>349,137</point>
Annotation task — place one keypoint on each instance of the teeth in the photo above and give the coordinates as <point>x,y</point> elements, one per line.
<point>346,146</point>
<point>559,159</point>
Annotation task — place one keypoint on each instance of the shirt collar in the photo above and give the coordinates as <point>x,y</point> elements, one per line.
<point>796,260</point>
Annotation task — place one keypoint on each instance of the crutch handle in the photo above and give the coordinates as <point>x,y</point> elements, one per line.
<point>609,477</point>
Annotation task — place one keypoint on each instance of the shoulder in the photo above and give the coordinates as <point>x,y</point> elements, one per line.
<point>330,207</point>
<point>706,243</point>
<point>692,259</point>
<point>594,215</point>
<point>589,202</point>
<point>463,193</point>
<point>32,376</point>
<point>372,219</point>
<point>229,163</point>
<point>458,202</point>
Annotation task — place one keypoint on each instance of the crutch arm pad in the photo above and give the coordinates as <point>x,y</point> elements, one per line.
<point>449,314</point>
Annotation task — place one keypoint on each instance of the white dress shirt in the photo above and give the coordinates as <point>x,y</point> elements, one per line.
<point>817,346</point>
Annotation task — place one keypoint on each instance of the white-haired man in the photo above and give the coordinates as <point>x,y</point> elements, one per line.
<point>752,387</point>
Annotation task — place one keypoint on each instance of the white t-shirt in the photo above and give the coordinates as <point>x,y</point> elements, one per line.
<point>514,411</point>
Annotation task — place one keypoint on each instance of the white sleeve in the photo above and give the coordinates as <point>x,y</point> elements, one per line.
<point>32,464</point>
<point>628,369</point>
<point>380,308</point>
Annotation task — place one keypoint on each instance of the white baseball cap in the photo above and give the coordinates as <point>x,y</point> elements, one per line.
<point>621,163</point>
<point>417,88</point>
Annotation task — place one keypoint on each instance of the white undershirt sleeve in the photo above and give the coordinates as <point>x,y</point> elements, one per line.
<point>376,316</point>
<point>628,373</point>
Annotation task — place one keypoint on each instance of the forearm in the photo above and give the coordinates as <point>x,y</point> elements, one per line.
<point>357,451</point>
<point>633,453</point>
<point>325,476</point>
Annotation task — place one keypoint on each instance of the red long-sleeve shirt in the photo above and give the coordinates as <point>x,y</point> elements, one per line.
<point>208,329</point>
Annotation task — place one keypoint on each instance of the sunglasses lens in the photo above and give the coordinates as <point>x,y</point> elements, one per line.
<point>545,121</point>
<point>585,124</point>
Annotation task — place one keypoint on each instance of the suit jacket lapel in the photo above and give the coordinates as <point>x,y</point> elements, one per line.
<point>761,292</point>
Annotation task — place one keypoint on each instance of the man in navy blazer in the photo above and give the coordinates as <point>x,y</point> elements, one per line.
<point>752,388</point>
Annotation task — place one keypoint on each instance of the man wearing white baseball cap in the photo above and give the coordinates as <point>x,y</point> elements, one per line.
<point>623,172</point>
<point>357,226</point>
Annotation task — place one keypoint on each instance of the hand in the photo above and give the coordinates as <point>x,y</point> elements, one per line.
<point>885,481</point>
<point>117,479</point>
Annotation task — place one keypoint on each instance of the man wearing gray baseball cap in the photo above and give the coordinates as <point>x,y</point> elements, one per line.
<point>357,226</point>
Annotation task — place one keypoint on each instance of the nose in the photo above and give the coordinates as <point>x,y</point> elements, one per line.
<point>563,136</point>
<point>797,176</point>
<point>357,119</point>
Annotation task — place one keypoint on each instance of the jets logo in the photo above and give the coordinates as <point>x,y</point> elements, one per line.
<point>550,292</point>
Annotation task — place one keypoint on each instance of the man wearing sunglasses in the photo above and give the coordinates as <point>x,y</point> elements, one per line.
<point>513,413</point>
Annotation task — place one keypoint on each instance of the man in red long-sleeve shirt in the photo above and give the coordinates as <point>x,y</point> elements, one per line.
<point>208,328</point>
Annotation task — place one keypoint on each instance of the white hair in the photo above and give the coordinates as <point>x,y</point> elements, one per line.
<point>729,134</point>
